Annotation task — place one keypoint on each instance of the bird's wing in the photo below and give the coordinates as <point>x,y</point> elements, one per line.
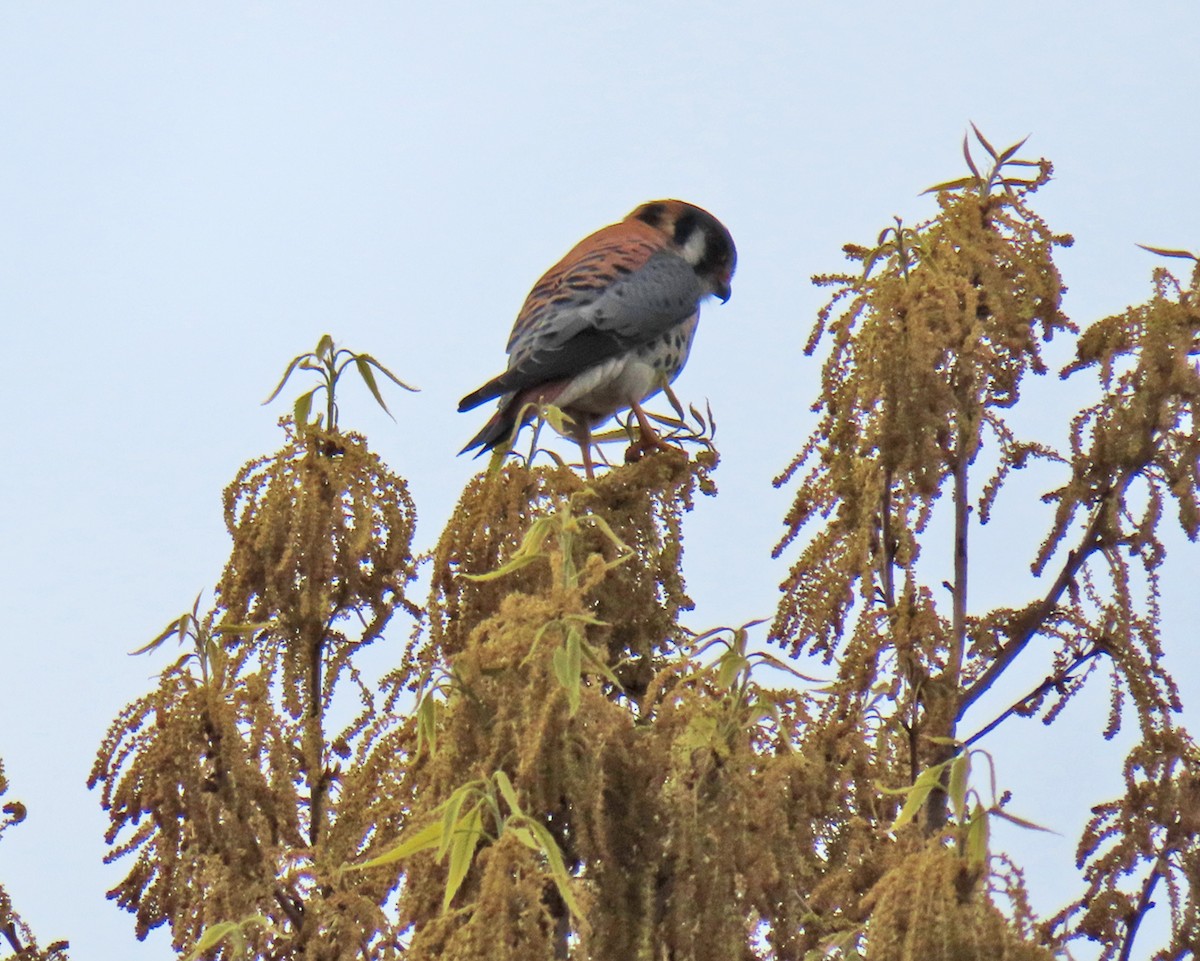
<point>596,304</point>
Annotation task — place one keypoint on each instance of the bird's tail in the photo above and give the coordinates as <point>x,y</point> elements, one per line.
<point>499,429</point>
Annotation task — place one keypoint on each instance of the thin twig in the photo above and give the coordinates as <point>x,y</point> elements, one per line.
<point>1048,683</point>
<point>292,907</point>
<point>1036,617</point>
<point>1143,906</point>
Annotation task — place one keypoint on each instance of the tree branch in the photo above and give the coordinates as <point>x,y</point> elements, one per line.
<point>958,623</point>
<point>1143,907</point>
<point>1037,615</point>
<point>10,935</point>
<point>1049,682</point>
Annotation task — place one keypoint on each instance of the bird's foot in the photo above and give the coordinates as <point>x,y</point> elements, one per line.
<point>644,445</point>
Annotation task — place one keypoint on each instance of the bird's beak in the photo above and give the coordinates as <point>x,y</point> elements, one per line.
<point>723,292</point>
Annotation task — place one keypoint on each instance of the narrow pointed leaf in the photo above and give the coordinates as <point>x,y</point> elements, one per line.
<point>525,836</point>
<point>926,781</point>
<point>1166,252</point>
<point>557,419</point>
<point>296,361</point>
<point>427,724</point>
<point>411,843</point>
<point>364,371</point>
<point>729,667</point>
<point>967,154</point>
<point>303,407</point>
<point>388,374</point>
<point>562,672</point>
<point>958,184</point>
<point>983,140</point>
<point>177,626</point>
<point>1021,822</point>
<point>462,852</point>
<point>960,772</point>
<point>978,832</point>
<point>558,870</point>
<point>1008,154</point>
<point>450,819</point>
<point>507,791</point>
<point>574,652</point>
<point>212,936</point>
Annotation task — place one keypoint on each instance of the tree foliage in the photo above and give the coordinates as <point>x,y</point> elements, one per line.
<point>15,935</point>
<point>557,767</point>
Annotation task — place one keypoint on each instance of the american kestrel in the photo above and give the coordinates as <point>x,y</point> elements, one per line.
<point>611,323</point>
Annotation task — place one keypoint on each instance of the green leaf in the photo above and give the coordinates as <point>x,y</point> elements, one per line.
<point>529,551</point>
<point>960,772</point>
<point>1021,822</point>
<point>970,162</point>
<point>1007,155</point>
<point>957,184</point>
<point>574,669</point>
<point>462,852</point>
<point>450,818</point>
<point>388,374</point>
<point>601,668</point>
<point>324,347</point>
<point>177,626</point>
<point>561,662</point>
<point>525,836</point>
<point>427,723</point>
<point>730,665</point>
<point>926,781</point>
<point>1166,252</point>
<point>607,531</point>
<point>296,361</point>
<point>364,371</point>
<point>303,407</point>
<point>212,936</point>
<point>507,791</point>
<point>978,832</point>
<point>558,870</point>
<point>410,844</point>
<point>557,419</point>
<point>574,652</point>
<point>983,140</point>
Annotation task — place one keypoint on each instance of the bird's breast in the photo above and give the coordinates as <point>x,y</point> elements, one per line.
<point>631,377</point>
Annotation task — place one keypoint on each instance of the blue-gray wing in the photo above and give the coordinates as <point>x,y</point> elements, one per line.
<point>598,309</point>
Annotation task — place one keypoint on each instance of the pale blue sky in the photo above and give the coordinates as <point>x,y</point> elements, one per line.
<point>191,193</point>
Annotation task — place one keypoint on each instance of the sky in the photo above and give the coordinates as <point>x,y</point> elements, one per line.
<point>193,193</point>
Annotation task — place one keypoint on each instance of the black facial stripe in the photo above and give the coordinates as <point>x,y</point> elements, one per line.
<point>717,253</point>
<point>651,214</point>
<point>685,226</point>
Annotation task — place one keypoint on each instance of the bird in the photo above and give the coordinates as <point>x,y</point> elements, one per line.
<point>610,325</point>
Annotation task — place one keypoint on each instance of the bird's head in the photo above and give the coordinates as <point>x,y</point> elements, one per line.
<point>700,238</point>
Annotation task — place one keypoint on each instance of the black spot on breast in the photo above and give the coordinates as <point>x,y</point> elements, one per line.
<point>622,269</point>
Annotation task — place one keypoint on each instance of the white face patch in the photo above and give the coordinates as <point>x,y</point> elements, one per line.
<point>693,250</point>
